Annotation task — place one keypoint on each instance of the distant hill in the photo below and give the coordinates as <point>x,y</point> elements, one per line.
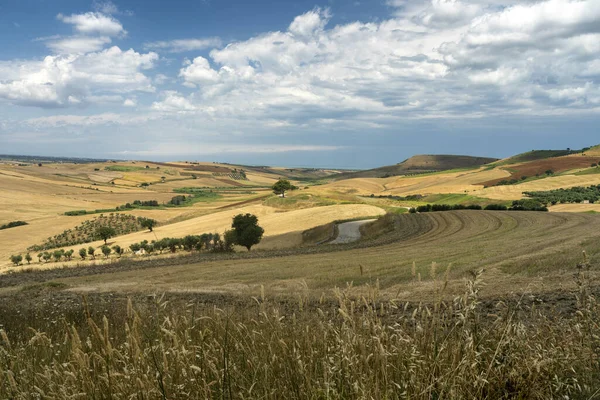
<point>419,164</point>
<point>536,155</point>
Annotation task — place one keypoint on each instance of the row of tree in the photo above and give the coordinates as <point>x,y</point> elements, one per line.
<point>517,205</point>
<point>245,232</point>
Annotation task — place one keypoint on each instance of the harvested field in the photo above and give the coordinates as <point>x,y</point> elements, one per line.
<point>539,167</point>
<point>575,208</point>
<point>273,221</point>
<point>520,251</point>
<point>515,192</point>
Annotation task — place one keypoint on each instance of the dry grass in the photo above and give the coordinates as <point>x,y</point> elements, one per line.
<point>358,347</point>
<point>522,251</point>
<point>274,222</point>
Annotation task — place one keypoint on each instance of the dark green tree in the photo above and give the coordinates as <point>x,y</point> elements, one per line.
<point>28,258</point>
<point>105,233</point>
<point>148,223</point>
<point>16,259</point>
<point>106,251</point>
<point>92,252</point>
<point>82,253</point>
<point>282,186</point>
<point>118,250</point>
<point>246,230</point>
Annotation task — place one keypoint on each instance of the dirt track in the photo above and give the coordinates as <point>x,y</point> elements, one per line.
<point>349,232</point>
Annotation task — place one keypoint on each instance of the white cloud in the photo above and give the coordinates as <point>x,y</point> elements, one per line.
<point>173,102</point>
<point>183,45</point>
<point>436,59</point>
<point>220,149</point>
<point>92,23</point>
<point>78,44</point>
<point>130,103</point>
<point>198,72</point>
<point>59,81</point>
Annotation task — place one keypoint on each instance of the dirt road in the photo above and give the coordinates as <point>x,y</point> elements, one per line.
<point>349,231</point>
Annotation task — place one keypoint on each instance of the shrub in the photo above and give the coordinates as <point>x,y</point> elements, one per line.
<point>16,259</point>
<point>13,224</point>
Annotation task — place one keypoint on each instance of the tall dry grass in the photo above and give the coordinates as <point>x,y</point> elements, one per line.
<point>363,349</point>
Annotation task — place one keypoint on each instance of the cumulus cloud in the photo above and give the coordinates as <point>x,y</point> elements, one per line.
<point>59,81</point>
<point>435,59</point>
<point>93,23</point>
<point>173,102</point>
<point>183,45</point>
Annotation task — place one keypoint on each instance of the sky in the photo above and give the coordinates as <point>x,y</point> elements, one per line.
<point>333,83</point>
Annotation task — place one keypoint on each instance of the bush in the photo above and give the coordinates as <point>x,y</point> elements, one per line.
<point>496,207</point>
<point>13,224</point>
<point>18,259</point>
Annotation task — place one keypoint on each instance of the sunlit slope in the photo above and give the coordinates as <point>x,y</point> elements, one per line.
<point>449,182</point>
<point>272,220</point>
<point>420,164</point>
<point>515,248</point>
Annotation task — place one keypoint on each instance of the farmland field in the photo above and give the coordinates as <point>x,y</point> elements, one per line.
<point>406,267</point>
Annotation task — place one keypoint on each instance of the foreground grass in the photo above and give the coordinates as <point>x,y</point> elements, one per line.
<point>356,347</point>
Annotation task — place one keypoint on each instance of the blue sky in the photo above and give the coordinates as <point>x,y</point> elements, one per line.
<point>348,84</point>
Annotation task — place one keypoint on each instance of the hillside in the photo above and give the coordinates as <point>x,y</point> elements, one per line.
<point>419,164</point>
<point>536,155</point>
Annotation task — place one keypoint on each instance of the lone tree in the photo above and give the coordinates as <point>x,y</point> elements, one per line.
<point>147,223</point>
<point>105,233</point>
<point>246,231</point>
<point>28,258</point>
<point>282,186</point>
<point>92,252</point>
<point>82,253</point>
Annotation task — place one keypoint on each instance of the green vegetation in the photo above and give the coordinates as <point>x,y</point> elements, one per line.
<point>89,231</point>
<point>105,233</point>
<point>210,242</point>
<point>123,168</point>
<point>13,224</point>
<point>589,171</point>
<point>246,231</point>
<point>282,186</point>
<point>177,201</point>
<point>16,259</point>
<point>517,205</point>
<point>576,194</point>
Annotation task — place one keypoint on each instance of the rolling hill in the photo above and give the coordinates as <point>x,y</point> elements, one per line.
<point>420,164</point>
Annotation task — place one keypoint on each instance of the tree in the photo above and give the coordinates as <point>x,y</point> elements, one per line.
<point>82,253</point>
<point>58,254</point>
<point>69,254</point>
<point>246,230</point>
<point>106,250</point>
<point>47,256</point>
<point>147,223</point>
<point>39,256</point>
<point>92,252</point>
<point>118,250</point>
<point>16,259</point>
<point>135,247</point>
<point>105,233</point>
<point>28,258</point>
<point>282,186</point>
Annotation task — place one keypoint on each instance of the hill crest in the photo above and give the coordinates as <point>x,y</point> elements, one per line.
<point>419,164</point>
